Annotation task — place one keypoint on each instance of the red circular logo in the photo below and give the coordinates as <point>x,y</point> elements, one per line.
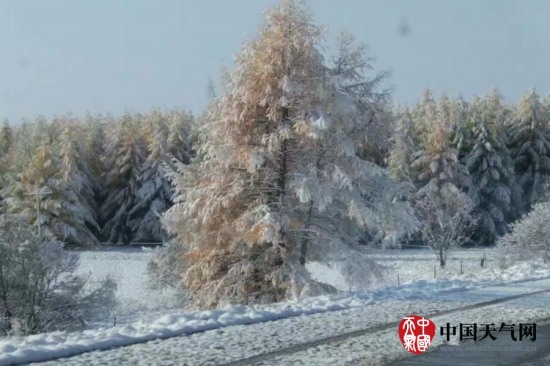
<point>416,333</point>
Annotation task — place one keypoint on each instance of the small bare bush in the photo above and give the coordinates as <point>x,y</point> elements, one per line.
<point>529,237</point>
<point>38,288</point>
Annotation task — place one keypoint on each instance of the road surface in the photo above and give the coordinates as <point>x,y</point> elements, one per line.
<point>348,337</point>
<point>500,352</point>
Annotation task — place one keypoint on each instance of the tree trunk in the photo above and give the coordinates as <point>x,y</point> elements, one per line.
<point>305,242</point>
<point>442,258</point>
<point>282,186</point>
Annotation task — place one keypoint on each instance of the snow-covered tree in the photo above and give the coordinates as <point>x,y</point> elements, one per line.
<point>348,66</point>
<point>280,181</point>
<point>403,148</point>
<point>461,133</point>
<point>39,132</point>
<point>492,171</point>
<point>79,185</point>
<point>41,171</point>
<point>94,148</point>
<point>6,142</point>
<point>64,213</point>
<point>6,138</point>
<point>124,157</point>
<point>179,140</point>
<point>153,197</point>
<point>528,237</point>
<point>436,161</point>
<point>529,141</point>
<point>22,147</point>
<point>447,220</point>
<point>438,174</point>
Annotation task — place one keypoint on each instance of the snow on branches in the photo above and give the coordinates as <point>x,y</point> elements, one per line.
<point>281,180</point>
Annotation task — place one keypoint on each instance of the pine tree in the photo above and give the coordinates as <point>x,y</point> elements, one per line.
<point>492,171</point>
<point>79,185</point>
<point>529,141</point>
<point>153,197</point>
<point>6,145</point>
<point>23,148</point>
<point>436,161</point>
<point>6,138</point>
<point>179,140</point>
<point>542,192</point>
<point>404,143</point>
<point>461,137</point>
<point>93,149</point>
<point>442,181</point>
<point>42,171</point>
<point>123,159</point>
<point>61,215</point>
<point>280,181</point>
<point>424,116</point>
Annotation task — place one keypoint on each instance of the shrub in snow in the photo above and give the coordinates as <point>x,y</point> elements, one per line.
<point>529,237</point>
<point>543,192</point>
<point>360,273</point>
<point>38,289</point>
<point>446,216</point>
<point>166,265</point>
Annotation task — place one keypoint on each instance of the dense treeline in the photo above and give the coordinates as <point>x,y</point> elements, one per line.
<point>109,183</point>
<point>498,154</point>
<point>100,179</point>
<point>302,157</point>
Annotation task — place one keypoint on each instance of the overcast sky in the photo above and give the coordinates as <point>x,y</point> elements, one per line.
<point>60,56</point>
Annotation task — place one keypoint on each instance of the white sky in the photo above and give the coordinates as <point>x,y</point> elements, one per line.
<point>61,56</point>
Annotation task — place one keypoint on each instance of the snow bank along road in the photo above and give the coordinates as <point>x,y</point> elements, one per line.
<point>364,335</point>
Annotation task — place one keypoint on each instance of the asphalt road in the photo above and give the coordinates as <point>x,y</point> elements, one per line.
<point>500,352</point>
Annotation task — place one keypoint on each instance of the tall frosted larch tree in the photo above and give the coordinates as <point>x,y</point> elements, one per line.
<point>280,181</point>
<point>404,142</point>
<point>62,213</point>
<point>6,142</point>
<point>179,141</point>
<point>436,162</point>
<point>6,138</point>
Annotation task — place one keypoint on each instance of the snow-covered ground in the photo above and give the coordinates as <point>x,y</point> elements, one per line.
<point>137,300</point>
<point>229,344</point>
<point>463,269</point>
<point>406,266</point>
<point>146,314</point>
